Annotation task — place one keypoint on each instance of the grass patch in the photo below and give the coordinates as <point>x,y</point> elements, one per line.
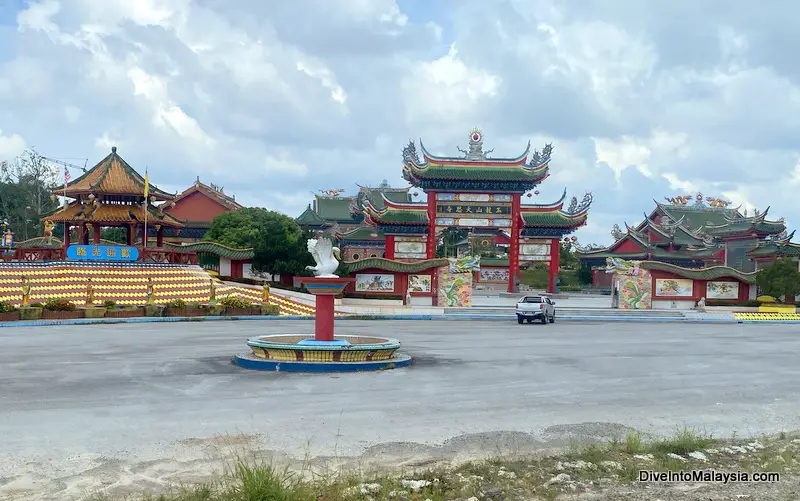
<point>684,442</point>
<point>633,443</point>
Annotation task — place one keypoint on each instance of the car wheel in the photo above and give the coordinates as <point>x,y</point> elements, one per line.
<point>553,318</point>
<point>544,319</point>
<point>519,320</point>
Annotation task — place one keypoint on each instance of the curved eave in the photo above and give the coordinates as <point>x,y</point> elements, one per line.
<point>570,221</point>
<point>433,159</point>
<point>383,264</point>
<point>711,273</point>
<point>557,205</point>
<point>214,248</point>
<point>379,216</point>
<point>403,206</point>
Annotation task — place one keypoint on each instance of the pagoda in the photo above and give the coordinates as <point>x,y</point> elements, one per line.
<point>480,194</point>
<point>696,232</point>
<point>112,194</point>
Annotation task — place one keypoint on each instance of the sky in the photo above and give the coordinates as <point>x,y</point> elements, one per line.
<point>277,100</point>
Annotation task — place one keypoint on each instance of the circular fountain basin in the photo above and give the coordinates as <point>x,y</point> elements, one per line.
<point>299,353</point>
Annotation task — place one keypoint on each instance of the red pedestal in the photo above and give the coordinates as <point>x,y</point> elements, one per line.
<point>325,289</point>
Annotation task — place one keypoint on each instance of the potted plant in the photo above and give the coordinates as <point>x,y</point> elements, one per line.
<point>194,310</point>
<point>113,310</point>
<point>60,309</point>
<point>270,309</point>
<point>236,307</point>
<point>8,313</point>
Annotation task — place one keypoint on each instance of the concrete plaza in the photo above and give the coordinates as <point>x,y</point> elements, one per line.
<point>75,398</point>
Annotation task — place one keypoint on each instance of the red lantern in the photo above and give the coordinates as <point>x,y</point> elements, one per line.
<point>536,192</point>
<point>416,194</point>
<point>529,195</point>
<point>574,239</point>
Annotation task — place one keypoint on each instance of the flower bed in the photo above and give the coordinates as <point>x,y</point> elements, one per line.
<point>185,312</point>
<point>9,316</point>
<point>125,313</point>
<point>242,312</point>
<point>61,314</point>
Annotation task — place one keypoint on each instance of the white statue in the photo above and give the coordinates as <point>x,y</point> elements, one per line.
<point>325,255</point>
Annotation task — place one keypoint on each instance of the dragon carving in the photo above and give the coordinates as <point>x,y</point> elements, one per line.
<point>717,202</point>
<point>616,232</point>
<point>575,207</point>
<point>331,193</point>
<point>543,156</point>
<point>679,200</point>
<point>410,153</point>
<point>622,266</point>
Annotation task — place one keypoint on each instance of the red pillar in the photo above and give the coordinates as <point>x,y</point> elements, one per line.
<point>96,233</point>
<point>323,318</point>
<point>131,235</point>
<point>389,246</point>
<point>555,253</point>
<point>85,234</point>
<point>160,237</point>
<point>66,235</point>
<point>431,245</point>
<point>513,250</point>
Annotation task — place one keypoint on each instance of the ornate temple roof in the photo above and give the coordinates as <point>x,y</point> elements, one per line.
<point>111,176</point>
<point>475,170</point>
<point>776,247</point>
<point>111,214</point>
<point>395,213</point>
<point>213,192</point>
<point>554,216</point>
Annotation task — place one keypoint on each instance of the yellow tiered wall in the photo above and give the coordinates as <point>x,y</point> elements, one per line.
<point>126,284</point>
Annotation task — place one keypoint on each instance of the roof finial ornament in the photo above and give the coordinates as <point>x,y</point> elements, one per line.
<point>113,149</point>
<point>475,146</point>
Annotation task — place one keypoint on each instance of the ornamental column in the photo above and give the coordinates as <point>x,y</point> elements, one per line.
<point>159,236</point>
<point>85,234</point>
<point>513,250</point>
<point>555,254</point>
<point>431,243</point>
<point>389,247</point>
<point>96,233</point>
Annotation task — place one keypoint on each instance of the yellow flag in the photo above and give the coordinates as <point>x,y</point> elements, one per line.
<point>146,184</point>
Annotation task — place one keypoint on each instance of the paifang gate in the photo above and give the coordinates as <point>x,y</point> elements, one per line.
<point>481,194</point>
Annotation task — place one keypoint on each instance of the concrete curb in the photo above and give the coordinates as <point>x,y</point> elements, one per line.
<point>599,318</point>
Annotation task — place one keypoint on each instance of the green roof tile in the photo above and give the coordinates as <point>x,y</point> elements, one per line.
<point>769,250</point>
<point>309,217</point>
<point>335,209</point>
<point>379,263</point>
<point>214,248</point>
<point>711,273</point>
<point>554,219</point>
<point>476,173</point>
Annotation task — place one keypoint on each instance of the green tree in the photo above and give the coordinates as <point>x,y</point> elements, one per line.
<point>278,242</point>
<point>450,238</point>
<point>25,196</point>
<point>780,278</point>
<point>566,256</point>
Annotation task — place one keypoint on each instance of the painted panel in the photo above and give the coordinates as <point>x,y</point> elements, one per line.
<point>470,208</point>
<point>504,223</point>
<point>445,196</point>
<point>419,283</point>
<point>634,291</point>
<point>502,198</point>
<point>722,290</point>
<point>535,249</point>
<point>445,221</point>
<point>674,287</point>
<point>534,257</point>
<point>412,247</point>
<point>102,253</point>
<point>464,264</point>
<point>399,238</point>
<point>455,289</point>
<point>473,222</point>
<point>474,197</point>
<point>373,282</point>
<point>494,275</point>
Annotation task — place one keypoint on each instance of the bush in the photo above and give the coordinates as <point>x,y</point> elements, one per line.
<point>110,304</point>
<point>271,309</point>
<point>235,302</point>
<point>176,303</point>
<point>55,304</point>
<point>7,308</point>
<point>35,305</point>
<point>726,302</point>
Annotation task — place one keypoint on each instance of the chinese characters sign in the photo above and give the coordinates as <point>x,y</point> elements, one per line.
<point>102,253</point>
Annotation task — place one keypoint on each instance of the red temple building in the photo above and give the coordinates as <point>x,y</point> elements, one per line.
<point>197,207</point>
<point>483,195</point>
<point>695,232</point>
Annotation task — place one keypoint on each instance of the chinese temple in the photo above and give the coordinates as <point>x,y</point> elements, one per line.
<point>483,195</point>
<point>196,207</point>
<point>695,232</point>
<point>112,194</point>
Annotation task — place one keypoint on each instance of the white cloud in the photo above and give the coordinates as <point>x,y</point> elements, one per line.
<point>10,146</point>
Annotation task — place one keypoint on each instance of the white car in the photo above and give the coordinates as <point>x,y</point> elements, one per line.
<point>532,308</point>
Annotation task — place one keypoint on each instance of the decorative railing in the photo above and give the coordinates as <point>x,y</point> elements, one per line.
<point>166,255</point>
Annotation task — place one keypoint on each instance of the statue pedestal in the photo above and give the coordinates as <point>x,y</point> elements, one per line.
<point>325,289</point>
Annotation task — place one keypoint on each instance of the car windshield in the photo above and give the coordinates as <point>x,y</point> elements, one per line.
<point>531,299</point>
